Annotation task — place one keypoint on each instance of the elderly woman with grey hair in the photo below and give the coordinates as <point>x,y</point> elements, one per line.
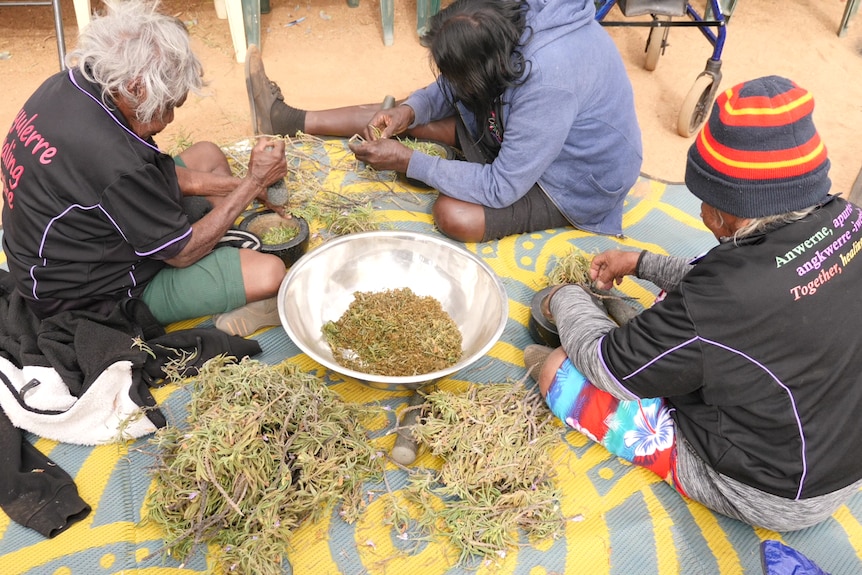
<point>742,385</point>
<point>95,212</point>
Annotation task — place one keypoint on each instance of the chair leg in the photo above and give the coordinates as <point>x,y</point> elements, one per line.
<point>237,28</point>
<point>221,11</point>
<point>850,10</point>
<point>425,9</point>
<point>82,13</point>
<point>58,28</point>
<point>387,13</point>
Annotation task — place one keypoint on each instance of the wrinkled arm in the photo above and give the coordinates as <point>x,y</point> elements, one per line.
<point>194,183</point>
<point>266,166</point>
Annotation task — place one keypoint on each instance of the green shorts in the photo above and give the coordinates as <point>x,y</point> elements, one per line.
<point>212,285</point>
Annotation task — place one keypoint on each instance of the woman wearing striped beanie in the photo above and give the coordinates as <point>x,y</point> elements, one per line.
<point>742,385</point>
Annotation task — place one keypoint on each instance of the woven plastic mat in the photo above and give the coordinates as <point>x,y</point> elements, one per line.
<point>621,519</point>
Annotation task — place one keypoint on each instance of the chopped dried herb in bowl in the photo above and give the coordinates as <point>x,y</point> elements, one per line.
<point>394,333</point>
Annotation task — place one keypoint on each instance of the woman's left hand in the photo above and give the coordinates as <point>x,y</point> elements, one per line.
<point>384,154</point>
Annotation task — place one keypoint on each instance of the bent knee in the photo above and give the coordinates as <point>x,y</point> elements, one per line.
<point>461,221</point>
<point>205,157</point>
<point>262,274</point>
<point>274,271</point>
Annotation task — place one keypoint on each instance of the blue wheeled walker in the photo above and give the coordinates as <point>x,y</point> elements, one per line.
<point>712,24</point>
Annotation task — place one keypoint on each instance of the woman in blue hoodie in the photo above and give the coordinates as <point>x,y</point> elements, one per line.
<point>535,95</point>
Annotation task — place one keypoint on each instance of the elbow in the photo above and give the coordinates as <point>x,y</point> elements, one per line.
<point>180,261</point>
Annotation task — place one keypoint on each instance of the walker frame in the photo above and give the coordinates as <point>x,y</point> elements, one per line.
<point>712,24</point>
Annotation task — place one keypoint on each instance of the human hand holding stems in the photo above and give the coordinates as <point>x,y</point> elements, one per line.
<point>389,122</point>
<point>378,149</point>
<point>606,269</point>
<point>611,267</point>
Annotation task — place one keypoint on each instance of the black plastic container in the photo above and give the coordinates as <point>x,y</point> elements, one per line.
<point>259,222</point>
<point>541,330</point>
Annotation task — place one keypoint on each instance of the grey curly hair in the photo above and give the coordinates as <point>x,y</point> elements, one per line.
<point>134,45</point>
<point>759,225</point>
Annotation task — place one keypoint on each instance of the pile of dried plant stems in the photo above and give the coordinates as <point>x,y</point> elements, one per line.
<point>319,171</point>
<point>496,477</point>
<point>265,448</point>
<point>572,268</point>
<point>394,332</point>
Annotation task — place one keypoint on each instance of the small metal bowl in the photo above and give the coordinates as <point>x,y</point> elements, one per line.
<point>320,287</point>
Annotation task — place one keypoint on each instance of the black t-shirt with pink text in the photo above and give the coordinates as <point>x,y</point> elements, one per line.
<point>90,210</point>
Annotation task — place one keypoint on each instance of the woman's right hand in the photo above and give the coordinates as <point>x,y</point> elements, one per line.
<point>389,122</point>
<point>610,267</point>
<point>267,163</point>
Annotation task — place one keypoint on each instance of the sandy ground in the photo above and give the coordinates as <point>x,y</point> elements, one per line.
<point>336,56</point>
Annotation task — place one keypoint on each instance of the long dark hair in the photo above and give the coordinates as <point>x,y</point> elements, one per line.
<point>474,45</point>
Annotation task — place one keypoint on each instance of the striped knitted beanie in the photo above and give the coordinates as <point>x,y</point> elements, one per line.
<point>759,154</point>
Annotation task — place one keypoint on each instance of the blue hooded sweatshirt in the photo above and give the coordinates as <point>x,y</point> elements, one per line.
<point>571,126</point>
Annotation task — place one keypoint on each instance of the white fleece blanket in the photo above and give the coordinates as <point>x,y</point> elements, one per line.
<point>104,414</point>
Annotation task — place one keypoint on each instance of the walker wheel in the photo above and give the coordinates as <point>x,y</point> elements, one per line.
<point>656,42</point>
<point>696,106</point>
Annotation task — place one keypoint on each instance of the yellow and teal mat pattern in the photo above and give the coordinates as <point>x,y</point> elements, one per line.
<point>622,519</point>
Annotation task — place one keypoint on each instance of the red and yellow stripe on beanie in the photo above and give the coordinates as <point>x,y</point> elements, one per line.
<point>759,154</point>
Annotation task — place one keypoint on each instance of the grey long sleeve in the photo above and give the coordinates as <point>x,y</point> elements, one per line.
<point>581,325</point>
<point>664,271</point>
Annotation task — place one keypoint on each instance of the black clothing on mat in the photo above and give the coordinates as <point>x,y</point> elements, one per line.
<point>80,346</point>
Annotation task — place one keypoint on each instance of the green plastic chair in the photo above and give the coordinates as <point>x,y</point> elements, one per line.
<point>424,10</point>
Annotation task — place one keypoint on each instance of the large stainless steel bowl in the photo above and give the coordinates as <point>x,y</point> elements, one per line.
<point>319,287</point>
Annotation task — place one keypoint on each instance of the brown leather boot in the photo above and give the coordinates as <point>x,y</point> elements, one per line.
<point>262,92</point>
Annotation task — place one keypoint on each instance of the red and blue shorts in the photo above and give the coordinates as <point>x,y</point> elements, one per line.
<point>640,431</point>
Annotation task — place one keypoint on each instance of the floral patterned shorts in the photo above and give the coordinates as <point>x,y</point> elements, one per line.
<point>641,431</point>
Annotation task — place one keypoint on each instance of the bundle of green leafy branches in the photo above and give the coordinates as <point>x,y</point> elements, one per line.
<point>265,449</point>
<point>496,477</point>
